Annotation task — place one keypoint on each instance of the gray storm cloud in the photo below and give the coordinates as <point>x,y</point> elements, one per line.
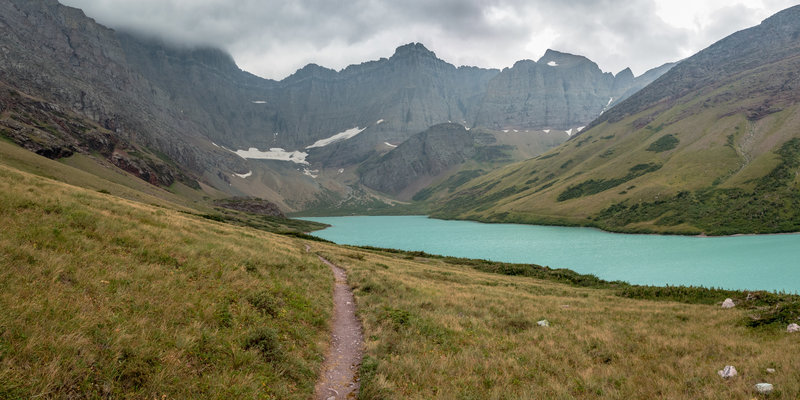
<point>274,38</point>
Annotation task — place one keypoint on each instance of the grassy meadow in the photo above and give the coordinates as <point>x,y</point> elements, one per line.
<point>438,329</point>
<point>102,297</point>
<point>105,297</point>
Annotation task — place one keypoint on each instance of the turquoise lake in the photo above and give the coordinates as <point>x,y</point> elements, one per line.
<point>754,262</point>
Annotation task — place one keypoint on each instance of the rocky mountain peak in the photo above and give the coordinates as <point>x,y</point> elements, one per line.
<point>555,58</point>
<point>624,74</point>
<point>623,79</point>
<point>413,50</point>
<point>311,71</point>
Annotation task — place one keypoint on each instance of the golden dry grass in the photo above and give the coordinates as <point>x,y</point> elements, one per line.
<point>435,330</point>
<point>102,297</point>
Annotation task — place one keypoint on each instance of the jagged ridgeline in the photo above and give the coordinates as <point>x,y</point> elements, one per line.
<point>169,113</point>
<point>711,146</point>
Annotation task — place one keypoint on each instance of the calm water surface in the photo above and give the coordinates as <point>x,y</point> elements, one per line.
<point>770,262</point>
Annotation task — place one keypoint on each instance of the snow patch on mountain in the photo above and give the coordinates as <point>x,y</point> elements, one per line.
<point>337,137</point>
<point>275,153</point>
<point>552,64</point>
<point>243,176</point>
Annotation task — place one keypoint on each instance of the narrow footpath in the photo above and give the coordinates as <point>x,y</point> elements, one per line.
<point>339,378</point>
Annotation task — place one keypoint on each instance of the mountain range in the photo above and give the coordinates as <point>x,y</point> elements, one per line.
<point>175,114</point>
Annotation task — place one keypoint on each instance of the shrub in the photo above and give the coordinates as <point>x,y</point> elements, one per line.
<point>664,143</point>
<point>266,302</point>
<point>265,340</point>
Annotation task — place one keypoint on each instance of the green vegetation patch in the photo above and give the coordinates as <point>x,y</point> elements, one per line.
<point>499,153</point>
<point>664,143</point>
<point>449,184</point>
<point>773,206</point>
<point>594,186</point>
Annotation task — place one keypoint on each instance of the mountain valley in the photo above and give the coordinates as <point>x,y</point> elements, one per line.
<point>190,114</point>
<point>156,206</point>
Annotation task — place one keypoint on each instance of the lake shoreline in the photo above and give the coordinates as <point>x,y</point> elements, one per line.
<point>736,262</point>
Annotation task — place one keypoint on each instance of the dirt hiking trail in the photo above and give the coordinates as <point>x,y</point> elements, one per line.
<point>339,378</point>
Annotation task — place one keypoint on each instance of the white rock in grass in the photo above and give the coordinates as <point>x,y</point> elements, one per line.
<point>728,303</point>
<point>793,328</point>
<point>764,388</point>
<point>770,370</point>
<point>728,372</point>
<point>543,322</point>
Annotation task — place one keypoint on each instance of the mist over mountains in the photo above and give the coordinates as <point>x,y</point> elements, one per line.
<point>184,111</point>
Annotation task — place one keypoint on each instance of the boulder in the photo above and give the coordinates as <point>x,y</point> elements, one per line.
<point>728,372</point>
<point>543,322</point>
<point>793,328</point>
<point>728,303</point>
<point>764,388</point>
<point>770,370</point>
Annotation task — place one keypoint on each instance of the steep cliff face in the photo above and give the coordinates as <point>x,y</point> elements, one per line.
<point>560,91</point>
<point>57,54</point>
<point>407,92</point>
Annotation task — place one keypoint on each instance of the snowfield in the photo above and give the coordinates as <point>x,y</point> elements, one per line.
<point>275,153</point>
<point>337,137</point>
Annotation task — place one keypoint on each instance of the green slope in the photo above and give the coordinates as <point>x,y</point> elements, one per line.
<point>710,147</point>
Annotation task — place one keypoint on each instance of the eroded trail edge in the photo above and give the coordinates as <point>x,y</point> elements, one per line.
<point>339,378</point>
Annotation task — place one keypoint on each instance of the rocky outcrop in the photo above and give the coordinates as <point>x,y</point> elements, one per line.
<point>54,132</point>
<point>57,55</point>
<point>728,303</point>
<point>728,372</point>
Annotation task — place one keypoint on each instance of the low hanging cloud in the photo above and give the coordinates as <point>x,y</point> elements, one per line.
<point>274,38</point>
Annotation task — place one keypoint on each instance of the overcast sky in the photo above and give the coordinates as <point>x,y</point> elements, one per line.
<point>273,38</point>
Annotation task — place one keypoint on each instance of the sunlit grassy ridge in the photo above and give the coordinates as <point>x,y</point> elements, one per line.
<point>439,330</point>
<point>102,297</point>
